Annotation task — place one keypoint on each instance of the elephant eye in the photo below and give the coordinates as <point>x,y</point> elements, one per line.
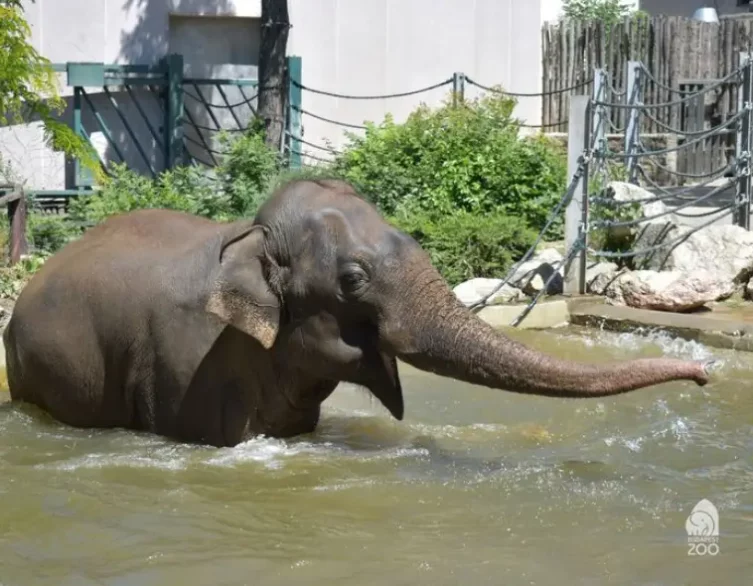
<point>353,279</point>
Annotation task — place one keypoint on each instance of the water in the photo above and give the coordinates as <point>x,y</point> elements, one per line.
<point>475,487</point>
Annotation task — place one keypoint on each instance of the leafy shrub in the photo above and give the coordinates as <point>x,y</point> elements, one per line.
<point>464,245</point>
<point>186,189</point>
<point>450,159</point>
<point>49,233</point>
<point>14,278</point>
<point>243,176</point>
<point>247,169</point>
<point>603,209</point>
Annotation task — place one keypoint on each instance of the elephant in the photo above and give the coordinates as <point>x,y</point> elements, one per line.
<point>209,332</point>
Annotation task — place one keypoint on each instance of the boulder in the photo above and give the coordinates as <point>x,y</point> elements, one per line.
<point>531,275</point>
<point>474,290</point>
<point>646,232</point>
<point>674,291</point>
<point>622,192</point>
<point>599,275</point>
<point>726,250</point>
<point>550,255</point>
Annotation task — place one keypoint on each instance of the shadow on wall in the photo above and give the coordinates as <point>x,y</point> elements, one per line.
<point>146,40</point>
<point>149,39</point>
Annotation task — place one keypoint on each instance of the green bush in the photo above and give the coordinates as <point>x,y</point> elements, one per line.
<point>186,189</point>
<point>602,209</point>
<point>242,178</point>
<point>450,159</point>
<point>247,170</point>
<point>13,279</point>
<point>464,245</point>
<point>48,233</point>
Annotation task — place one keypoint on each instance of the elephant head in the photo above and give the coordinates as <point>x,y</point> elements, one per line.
<point>321,279</point>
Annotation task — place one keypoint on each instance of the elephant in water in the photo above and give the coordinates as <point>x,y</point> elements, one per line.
<point>212,333</point>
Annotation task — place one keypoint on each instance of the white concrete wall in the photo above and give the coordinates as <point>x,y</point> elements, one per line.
<point>349,47</point>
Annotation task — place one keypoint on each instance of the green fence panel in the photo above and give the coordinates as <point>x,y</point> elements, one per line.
<point>294,130</point>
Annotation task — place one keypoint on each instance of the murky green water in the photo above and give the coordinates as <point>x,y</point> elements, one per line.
<point>474,487</point>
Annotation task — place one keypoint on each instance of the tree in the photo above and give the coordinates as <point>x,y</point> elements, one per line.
<point>28,86</point>
<point>607,11</point>
<point>275,24</point>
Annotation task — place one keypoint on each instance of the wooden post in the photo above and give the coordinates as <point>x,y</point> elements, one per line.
<point>634,99</point>
<point>275,23</point>
<point>16,202</point>
<point>576,214</point>
<point>743,144</point>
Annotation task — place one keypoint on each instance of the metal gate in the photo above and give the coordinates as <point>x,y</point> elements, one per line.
<point>152,118</point>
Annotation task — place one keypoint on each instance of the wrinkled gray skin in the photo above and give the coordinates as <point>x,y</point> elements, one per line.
<point>212,333</point>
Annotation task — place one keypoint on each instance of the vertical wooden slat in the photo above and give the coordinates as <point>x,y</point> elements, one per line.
<point>545,77</point>
<point>671,48</point>
<point>660,63</point>
<point>573,47</point>
<point>562,72</point>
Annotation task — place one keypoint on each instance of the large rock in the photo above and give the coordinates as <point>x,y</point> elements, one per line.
<point>472,291</point>
<point>620,195</point>
<point>668,291</point>
<point>531,275</point>
<point>599,276</point>
<point>550,255</point>
<point>624,193</point>
<point>726,250</point>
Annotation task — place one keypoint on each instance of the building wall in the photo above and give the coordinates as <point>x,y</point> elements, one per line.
<point>367,47</point>
<point>688,7</point>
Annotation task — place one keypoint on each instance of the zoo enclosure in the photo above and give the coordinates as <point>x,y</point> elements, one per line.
<point>589,208</point>
<point>179,135</point>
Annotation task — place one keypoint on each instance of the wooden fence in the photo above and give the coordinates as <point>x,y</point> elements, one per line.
<point>680,55</point>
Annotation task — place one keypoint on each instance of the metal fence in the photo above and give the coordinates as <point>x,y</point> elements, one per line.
<point>153,118</point>
<point>722,194</point>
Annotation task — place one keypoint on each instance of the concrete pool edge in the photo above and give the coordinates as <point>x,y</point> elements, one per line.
<point>591,311</point>
<point>708,329</point>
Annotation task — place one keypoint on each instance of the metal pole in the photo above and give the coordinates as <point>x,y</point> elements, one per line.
<point>295,128</point>
<point>600,113</point>
<point>174,111</point>
<point>743,146</point>
<point>576,214</point>
<point>458,88</point>
<point>634,99</point>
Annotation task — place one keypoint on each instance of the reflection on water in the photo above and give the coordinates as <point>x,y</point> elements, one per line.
<point>475,486</point>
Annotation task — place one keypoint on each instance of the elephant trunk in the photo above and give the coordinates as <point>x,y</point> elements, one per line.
<point>437,333</point>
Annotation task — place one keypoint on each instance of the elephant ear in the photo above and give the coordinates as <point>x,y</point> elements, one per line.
<point>240,294</point>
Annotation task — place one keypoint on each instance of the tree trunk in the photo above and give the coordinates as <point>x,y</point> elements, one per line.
<point>272,83</point>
